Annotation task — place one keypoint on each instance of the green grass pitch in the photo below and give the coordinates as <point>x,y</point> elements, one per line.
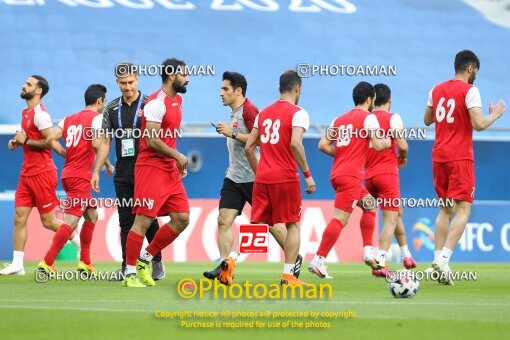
<point>101,309</point>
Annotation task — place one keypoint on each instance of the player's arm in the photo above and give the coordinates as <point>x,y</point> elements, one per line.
<point>380,144</point>
<point>428,117</point>
<point>403,149</point>
<point>12,144</point>
<point>326,146</point>
<point>371,124</point>
<point>298,151</point>
<point>227,131</point>
<point>481,122</point>
<point>397,126</point>
<point>249,116</point>
<point>250,147</point>
<point>42,121</point>
<point>157,145</point>
<point>301,123</point>
<point>53,143</point>
<point>20,137</point>
<point>102,147</point>
<point>327,140</point>
<point>154,111</point>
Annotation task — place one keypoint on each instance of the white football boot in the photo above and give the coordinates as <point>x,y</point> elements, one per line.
<point>11,269</point>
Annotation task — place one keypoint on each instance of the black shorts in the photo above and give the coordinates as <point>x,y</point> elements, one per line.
<point>234,195</point>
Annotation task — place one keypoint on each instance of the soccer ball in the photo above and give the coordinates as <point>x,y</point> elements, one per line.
<point>405,284</point>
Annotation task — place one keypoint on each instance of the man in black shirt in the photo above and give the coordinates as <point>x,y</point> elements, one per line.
<point>120,118</point>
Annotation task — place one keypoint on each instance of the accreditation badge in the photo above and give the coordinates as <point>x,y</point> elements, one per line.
<point>127,147</point>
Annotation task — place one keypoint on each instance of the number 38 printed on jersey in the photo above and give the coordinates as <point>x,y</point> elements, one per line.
<point>270,131</point>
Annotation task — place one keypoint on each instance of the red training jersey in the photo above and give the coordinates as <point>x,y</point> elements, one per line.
<point>80,154</point>
<point>450,102</point>
<point>384,162</point>
<point>275,123</point>
<point>353,141</point>
<point>36,161</point>
<point>160,108</point>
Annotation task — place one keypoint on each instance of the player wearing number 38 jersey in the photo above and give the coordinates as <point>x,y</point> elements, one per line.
<point>279,130</point>
<point>455,107</point>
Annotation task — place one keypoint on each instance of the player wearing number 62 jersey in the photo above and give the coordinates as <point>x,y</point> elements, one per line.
<point>456,108</point>
<point>279,130</point>
<point>78,130</point>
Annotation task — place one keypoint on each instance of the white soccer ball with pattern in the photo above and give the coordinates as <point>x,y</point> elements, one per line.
<point>405,284</point>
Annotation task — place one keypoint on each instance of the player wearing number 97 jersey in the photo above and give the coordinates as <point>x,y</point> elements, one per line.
<point>456,108</point>
<point>78,130</point>
<point>279,129</point>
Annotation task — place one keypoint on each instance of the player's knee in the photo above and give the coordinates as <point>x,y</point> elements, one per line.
<point>182,221</point>
<point>222,223</point>
<point>49,222</point>
<point>91,216</point>
<point>448,211</point>
<point>18,220</point>
<point>48,225</point>
<point>464,209</point>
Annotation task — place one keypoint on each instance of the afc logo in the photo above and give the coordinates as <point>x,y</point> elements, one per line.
<point>253,238</point>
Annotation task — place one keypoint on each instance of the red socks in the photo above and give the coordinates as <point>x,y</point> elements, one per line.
<point>161,240</point>
<point>87,230</point>
<point>59,239</point>
<point>329,237</point>
<point>133,247</point>
<point>367,225</point>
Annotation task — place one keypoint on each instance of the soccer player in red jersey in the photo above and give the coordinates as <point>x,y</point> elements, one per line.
<point>382,178</point>
<point>279,130</point>
<point>158,173</point>
<point>38,177</point>
<point>77,130</point>
<point>238,183</point>
<point>348,140</point>
<point>455,107</point>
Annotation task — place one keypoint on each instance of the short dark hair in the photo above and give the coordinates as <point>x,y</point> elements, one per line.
<point>236,80</point>
<point>42,83</point>
<point>362,92</point>
<point>288,80</point>
<point>382,94</point>
<point>169,67</point>
<point>93,93</point>
<point>465,58</point>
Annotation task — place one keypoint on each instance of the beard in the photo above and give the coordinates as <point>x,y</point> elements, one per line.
<point>179,87</point>
<point>26,95</point>
<point>471,79</point>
